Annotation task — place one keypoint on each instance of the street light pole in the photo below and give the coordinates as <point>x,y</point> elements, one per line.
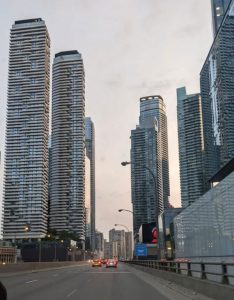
<point>123,226</point>
<point>125,163</point>
<point>123,209</point>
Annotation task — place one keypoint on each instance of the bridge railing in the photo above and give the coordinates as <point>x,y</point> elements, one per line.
<point>212,271</point>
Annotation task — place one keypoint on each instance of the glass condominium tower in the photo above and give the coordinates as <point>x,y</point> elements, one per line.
<point>191,146</point>
<point>219,8</point>
<point>26,162</point>
<point>90,153</point>
<point>153,107</point>
<point>147,151</point>
<point>67,200</point>
<point>217,90</point>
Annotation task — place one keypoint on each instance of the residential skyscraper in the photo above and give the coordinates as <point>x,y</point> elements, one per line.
<point>151,107</point>
<point>49,175</point>
<point>90,153</point>
<point>149,149</point>
<point>219,8</point>
<point>191,146</point>
<point>26,156</point>
<point>217,89</point>
<point>67,207</point>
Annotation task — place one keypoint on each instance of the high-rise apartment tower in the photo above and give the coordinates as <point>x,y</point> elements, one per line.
<point>219,8</point>
<point>27,129</point>
<point>149,156</point>
<point>90,152</point>
<point>191,146</point>
<point>67,203</point>
<point>217,90</point>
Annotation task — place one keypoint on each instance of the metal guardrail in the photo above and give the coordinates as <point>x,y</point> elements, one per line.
<point>188,268</point>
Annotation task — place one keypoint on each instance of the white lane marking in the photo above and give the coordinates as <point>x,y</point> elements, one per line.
<point>114,272</point>
<point>31,281</point>
<point>72,293</point>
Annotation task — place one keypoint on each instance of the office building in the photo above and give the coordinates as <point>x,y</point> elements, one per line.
<point>149,162</point>
<point>117,240</point>
<point>27,129</point>
<point>219,8</point>
<point>67,207</point>
<point>129,245</point>
<point>107,250</point>
<point>217,89</point>
<point>90,153</point>
<point>191,146</point>
<point>99,243</point>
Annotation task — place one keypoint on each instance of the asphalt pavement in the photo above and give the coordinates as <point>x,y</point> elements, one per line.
<point>86,283</point>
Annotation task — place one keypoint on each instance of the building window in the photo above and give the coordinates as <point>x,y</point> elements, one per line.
<point>18,73</point>
<point>33,64</point>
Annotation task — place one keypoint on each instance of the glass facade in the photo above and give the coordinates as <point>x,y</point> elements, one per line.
<point>191,146</point>
<point>219,8</point>
<point>217,89</point>
<point>149,150</point>
<point>90,154</point>
<point>166,232</point>
<point>206,228</point>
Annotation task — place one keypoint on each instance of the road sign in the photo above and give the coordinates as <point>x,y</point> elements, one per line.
<point>140,250</point>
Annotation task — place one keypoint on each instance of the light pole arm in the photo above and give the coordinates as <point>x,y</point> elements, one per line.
<point>123,226</point>
<point>123,209</point>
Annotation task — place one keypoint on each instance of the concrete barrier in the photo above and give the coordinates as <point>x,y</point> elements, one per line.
<point>207,288</point>
<point>33,266</point>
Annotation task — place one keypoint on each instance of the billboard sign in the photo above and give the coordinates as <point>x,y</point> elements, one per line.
<point>140,250</point>
<point>148,233</point>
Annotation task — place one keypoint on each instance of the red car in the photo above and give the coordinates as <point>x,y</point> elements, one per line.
<point>104,261</point>
<point>111,263</point>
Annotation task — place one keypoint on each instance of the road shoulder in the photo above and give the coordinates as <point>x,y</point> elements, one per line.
<point>167,288</point>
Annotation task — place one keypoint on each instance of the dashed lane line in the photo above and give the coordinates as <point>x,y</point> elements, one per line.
<point>31,281</point>
<point>70,294</point>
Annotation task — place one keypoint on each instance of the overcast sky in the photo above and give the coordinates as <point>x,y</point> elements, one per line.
<point>130,48</point>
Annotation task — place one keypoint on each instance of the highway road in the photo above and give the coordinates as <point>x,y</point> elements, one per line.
<point>85,282</point>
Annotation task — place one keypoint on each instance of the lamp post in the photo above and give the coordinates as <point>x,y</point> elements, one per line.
<point>124,164</point>
<point>123,226</point>
<point>123,209</point>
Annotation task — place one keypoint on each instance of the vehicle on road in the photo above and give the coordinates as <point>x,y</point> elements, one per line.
<point>111,263</point>
<point>104,261</point>
<point>97,263</point>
